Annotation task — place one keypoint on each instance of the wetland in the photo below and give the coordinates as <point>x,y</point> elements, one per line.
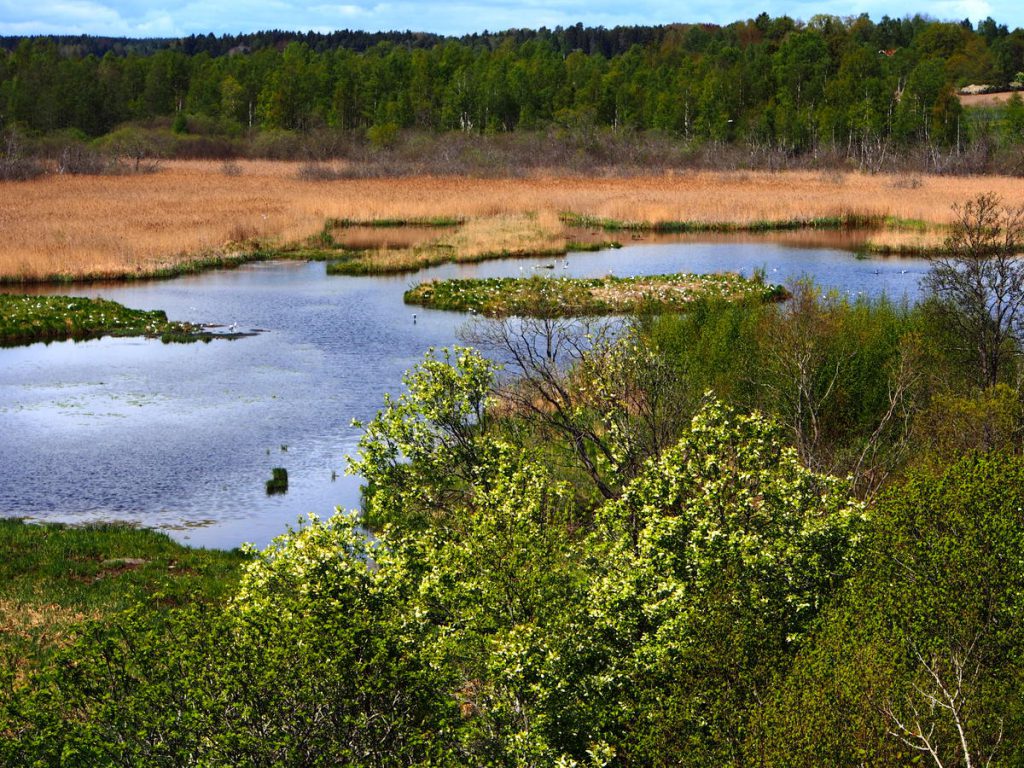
<point>182,438</point>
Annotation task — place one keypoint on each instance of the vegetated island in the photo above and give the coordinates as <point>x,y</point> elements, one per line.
<point>29,319</point>
<point>574,297</point>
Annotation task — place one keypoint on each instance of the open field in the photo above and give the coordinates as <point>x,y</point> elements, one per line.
<point>986,99</point>
<point>96,226</point>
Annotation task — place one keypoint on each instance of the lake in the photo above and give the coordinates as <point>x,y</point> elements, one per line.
<point>182,437</point>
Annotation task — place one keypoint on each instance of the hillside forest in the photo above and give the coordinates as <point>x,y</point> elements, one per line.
<point>866,89</point>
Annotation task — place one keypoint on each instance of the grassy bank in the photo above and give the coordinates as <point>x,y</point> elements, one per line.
<point>28,319</point>
<point>54,577</point>
<point>842,221</point>
<point>570,297</point>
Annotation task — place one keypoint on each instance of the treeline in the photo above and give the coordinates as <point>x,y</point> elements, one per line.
<point>771,81</point>
<point>608,42</point>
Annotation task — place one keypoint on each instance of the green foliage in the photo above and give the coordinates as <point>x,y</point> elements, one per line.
<point>792,87</point>
<point>278,482</point>
<point>382,136</point>
<point>710,601</point>
<point>721,556</point>
<point>925,644</point>
<point>180,123</point>
<point>54,577</point>
<point>317,661</point>
<point>953,425</point>
<point>419,453</point>
<point>842,376</point>
<point>497,635</point>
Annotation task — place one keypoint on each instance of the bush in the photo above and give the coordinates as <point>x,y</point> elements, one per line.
<point>317,662</point>
<point>15,165</point>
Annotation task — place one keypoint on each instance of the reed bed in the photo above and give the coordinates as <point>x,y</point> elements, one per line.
<point>98,226</point>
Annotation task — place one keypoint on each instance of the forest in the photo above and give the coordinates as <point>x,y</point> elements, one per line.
<point>862,86</point>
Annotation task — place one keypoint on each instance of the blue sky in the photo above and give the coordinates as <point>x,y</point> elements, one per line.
<point>172,18</point>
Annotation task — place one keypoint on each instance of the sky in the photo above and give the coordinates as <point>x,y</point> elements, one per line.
<point>176,18</point>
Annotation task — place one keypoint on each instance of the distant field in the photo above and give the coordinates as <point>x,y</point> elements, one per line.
<point>136,224</point>
<point>986,99</point>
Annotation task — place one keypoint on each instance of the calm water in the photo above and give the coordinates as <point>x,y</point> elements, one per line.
<point>183,437</point>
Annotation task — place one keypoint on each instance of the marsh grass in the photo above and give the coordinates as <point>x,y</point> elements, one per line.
<point>574,297</point>
<point>54,577</point>
<point>844,221</point>
<point>491,237</point>
<point>190,215</point>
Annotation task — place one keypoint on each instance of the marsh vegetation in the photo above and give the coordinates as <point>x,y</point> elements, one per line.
<point>28,319</point>
<point>190,216</point>
<point>569,297</point>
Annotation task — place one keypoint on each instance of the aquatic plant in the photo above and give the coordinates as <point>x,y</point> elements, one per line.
<point>278,483</point>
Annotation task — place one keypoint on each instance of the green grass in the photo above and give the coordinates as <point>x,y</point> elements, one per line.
<point>845,221</point>
<point>906,249</point>
<point>28,319</point>
<point>403,260</point>
<point>912,225</point>
<point>55,577</point>
<point>568,297</point>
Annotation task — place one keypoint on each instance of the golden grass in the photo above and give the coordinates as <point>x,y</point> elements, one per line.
<point>78,226</point>
<point>905,241</point>
<point>985,99</point>
<point>42,625</point>
<point>513,234</point>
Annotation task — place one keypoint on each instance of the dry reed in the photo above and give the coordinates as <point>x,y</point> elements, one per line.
<point>87,226</point>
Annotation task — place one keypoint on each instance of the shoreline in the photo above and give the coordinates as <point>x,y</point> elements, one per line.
<point>348,261</point>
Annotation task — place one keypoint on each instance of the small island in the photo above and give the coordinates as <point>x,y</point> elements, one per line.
<point>572,297</point>
<point>30,319</point>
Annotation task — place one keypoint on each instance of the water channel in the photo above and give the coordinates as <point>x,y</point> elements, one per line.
<point>182,437</point>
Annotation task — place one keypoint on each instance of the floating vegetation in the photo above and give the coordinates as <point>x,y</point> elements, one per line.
<point>28,319</point>
<point>278,483</point>
<point>568,297</point>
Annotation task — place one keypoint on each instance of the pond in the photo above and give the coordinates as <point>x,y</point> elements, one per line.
<point>183,437</point>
